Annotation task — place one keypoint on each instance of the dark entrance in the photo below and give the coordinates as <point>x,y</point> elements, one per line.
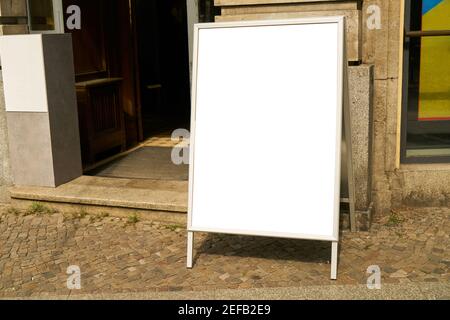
<point>163,58</point>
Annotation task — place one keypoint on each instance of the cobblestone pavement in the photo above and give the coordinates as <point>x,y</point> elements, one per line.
<point>119,255</point>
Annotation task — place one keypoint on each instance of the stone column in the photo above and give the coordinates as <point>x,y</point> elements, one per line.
<point>13,20</point>
<point>361,92</point>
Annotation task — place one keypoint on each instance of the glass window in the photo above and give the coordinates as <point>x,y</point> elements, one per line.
<point>45,16</point>
<point>426,116</point>
<point>207,11</point>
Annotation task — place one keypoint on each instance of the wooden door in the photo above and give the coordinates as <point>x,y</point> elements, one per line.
<point>104,53</point>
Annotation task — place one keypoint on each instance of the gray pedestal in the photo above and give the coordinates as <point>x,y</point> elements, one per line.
<point>40,99</point>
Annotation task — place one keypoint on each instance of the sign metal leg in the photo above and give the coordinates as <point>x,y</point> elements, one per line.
<point>334,260</point>
<point>190,250</point>
<point>349,142</point>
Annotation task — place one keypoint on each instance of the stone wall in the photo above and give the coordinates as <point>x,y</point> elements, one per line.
<point>16,12</point>
<point>287,9</point>
<point>13,14</point>
<point>396,184</point>
<point>381,48</point>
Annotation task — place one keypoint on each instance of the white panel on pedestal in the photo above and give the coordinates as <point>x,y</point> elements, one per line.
<point>24,73</point>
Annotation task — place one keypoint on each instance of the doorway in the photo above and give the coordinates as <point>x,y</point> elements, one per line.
<point>162,86</point>
<point>163,60</point>
<point>132,73</point>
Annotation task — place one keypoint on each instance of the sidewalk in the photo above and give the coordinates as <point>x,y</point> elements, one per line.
<point>411,291</point>
<point>130,259</point>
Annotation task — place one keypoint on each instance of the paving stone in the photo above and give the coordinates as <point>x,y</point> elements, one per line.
<point>35,252</point>
<point>399,274</point>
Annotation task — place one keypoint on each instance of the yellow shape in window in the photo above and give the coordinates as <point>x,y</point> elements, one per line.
<point>434,89</point>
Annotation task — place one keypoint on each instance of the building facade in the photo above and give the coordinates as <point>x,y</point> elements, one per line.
<point>398,52</point>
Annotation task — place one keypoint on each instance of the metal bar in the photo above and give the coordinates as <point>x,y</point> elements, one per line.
<point>334,260</point>
<point>427,33</point>
<point>190,250</point>
<point>13,20</point>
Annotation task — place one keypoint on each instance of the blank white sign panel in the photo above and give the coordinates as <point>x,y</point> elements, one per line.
<point>266,131</point>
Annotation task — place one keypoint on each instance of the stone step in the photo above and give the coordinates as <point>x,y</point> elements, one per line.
<point>156,200</point>
<point>151,199</point>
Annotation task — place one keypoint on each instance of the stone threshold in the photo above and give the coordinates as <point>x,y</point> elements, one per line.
<point>160,196</point>
<point>157,200</point>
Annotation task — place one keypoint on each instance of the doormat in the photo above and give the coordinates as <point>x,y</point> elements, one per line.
<point>153,163</point>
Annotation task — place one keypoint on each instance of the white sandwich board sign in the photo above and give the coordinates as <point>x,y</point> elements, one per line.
<point>267,116</point>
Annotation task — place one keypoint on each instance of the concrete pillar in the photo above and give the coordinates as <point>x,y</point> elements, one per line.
<point>361,90</point>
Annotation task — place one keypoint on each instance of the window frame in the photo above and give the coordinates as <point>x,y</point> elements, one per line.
<point>407,35</point>
<point>58,16</point>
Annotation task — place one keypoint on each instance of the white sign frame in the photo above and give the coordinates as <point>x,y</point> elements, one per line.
<point>342,98</point>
